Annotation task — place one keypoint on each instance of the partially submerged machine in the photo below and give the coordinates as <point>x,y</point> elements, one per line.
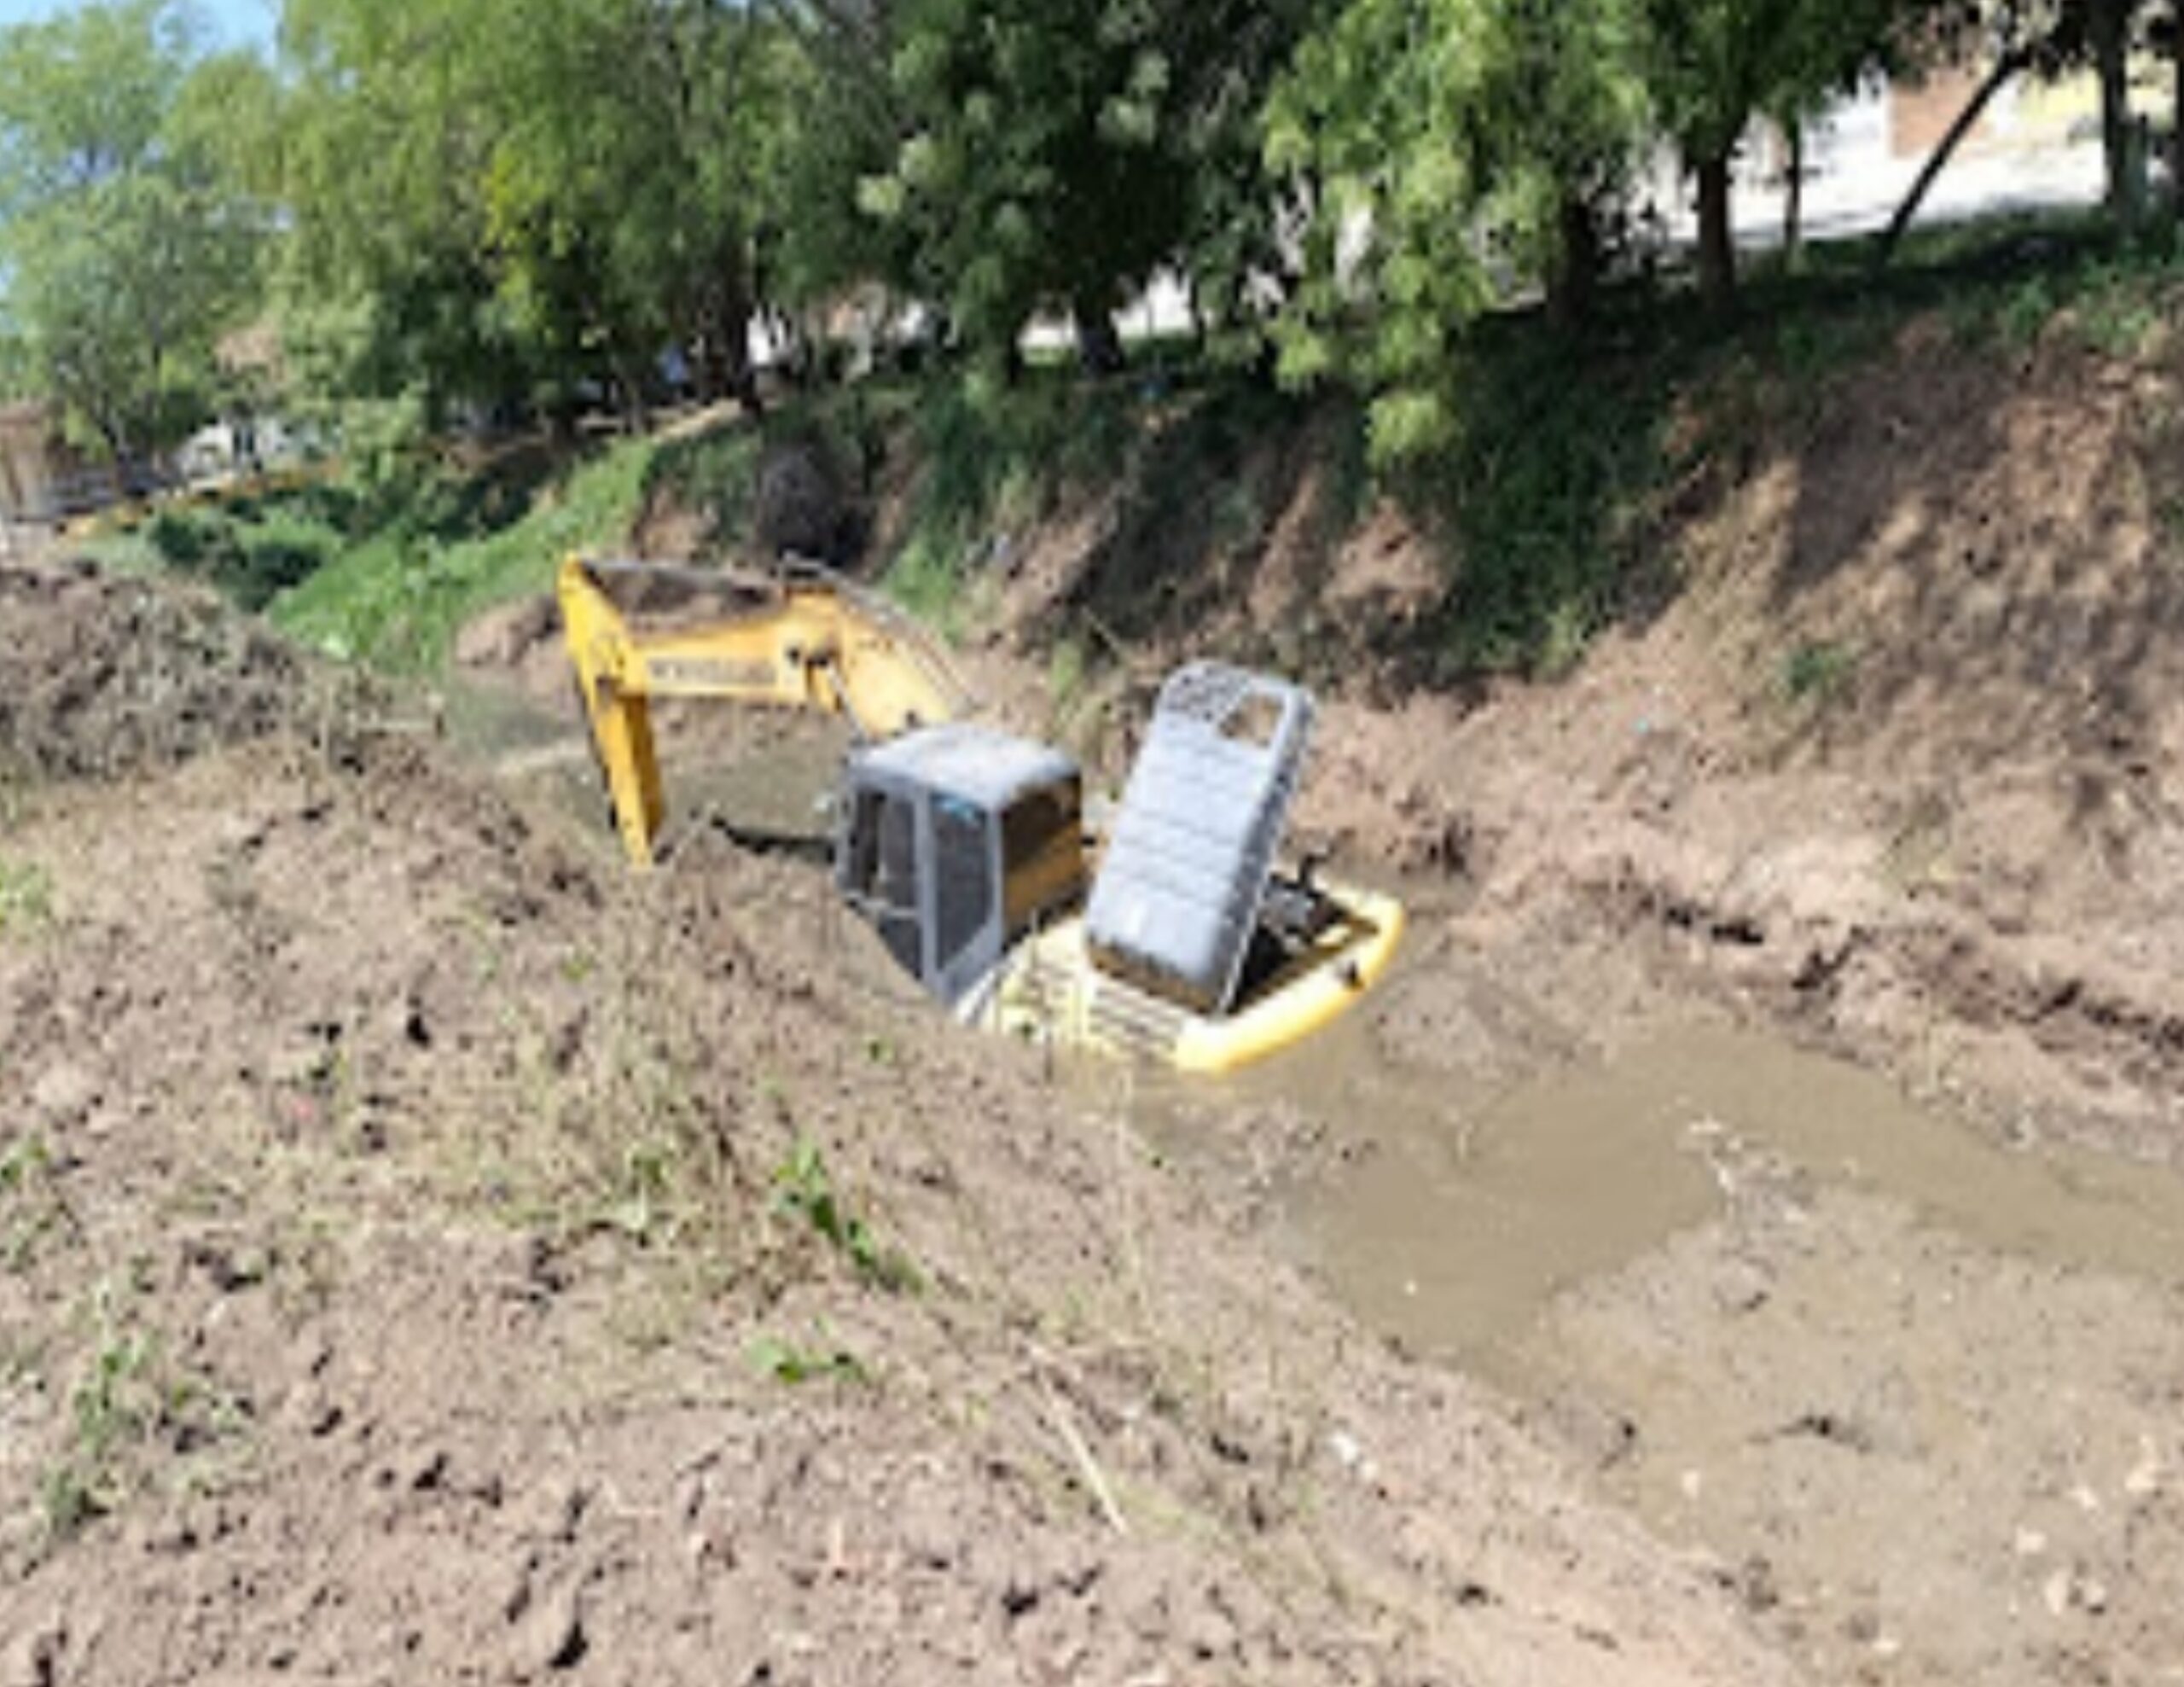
<point>1173,937</point>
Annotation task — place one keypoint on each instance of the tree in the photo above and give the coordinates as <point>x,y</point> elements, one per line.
<point>1714,65</point>
<point>522,199</point>
<point>126,249</point>
<point>2104,27</point>
<point>1441,153</point>
<point>1057,153</point>
<point>2043,39</point>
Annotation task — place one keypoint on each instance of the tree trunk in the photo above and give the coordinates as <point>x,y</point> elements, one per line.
<point>1573,283</point>
<point>2110,31</point>
<point>1793,195</point>
<point>1717,252</point>
<point>2177,112</point>
<point>637,408</point>
<point>1099,345</point>
<point>2006,69</point>
<point>725,356</point>
<point>117,451</point>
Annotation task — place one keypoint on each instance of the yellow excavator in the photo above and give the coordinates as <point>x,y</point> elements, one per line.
<point>1173,936</point>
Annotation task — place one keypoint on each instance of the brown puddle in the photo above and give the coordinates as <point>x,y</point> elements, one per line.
<point>764,778</point>
<point>1458,1217</point>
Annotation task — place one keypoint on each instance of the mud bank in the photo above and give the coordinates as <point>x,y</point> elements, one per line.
<point>1916,1391</point>
<point>1776,1306</point>
<point>430,1252</point>
<point>1884,740</point>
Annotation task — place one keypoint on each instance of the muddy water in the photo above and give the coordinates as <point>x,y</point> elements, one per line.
<point>766,779</point>
<point>1451,1218</point>
<point>1453,1211</point>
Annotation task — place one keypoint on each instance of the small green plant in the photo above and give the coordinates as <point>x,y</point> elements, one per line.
<point>126,1401</point>
<point>31,1203</point>
<point>2116,317</point>
<point>928,580</point>
<point>804,1189</point>
<point>1818,672</point>
<point>794,1364</point>
<point>107,1413</point>
<point>26,897</point>
<point>644,1196</point>
<point>2026,314</point>
<point>1066,671</point>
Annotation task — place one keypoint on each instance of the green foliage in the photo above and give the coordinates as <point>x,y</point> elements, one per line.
<point>794,1364</point>
<point>411,576</point>
<point>716,473</point>
<point>1055,152</point>
<point>129,1400</point>
<point>127,248</point>
<point>2116,312</point>
<point>511,201</point>
<point>26,897</point>
<point>1451,151</point>
<point>1818,672</point>
<point>252,554</point>
<point>803,1188</point>
<point>1540,498</point>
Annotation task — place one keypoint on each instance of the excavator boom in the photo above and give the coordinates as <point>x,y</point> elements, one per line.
<point>804,640</point>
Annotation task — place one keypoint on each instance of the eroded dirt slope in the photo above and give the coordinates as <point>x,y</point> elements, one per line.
<point>1891,737</point>
<point>430,1254</point>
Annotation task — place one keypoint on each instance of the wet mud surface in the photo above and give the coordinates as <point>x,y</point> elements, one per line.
<point>1915,1391</point>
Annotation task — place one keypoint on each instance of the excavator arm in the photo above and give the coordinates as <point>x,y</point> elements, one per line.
<point>805,640</point>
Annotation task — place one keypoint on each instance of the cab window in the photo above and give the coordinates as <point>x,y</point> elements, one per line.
<point>881,874</point>
<point>1043,853</point>
<point>963,876</point>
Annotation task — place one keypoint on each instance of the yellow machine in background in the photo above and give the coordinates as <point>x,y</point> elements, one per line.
<point>965,848</point>
<point>803,641</point>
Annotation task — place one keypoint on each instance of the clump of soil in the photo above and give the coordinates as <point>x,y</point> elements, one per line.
<point>103,676</point>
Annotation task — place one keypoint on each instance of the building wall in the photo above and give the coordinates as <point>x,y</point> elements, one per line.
<point>1924,110</point>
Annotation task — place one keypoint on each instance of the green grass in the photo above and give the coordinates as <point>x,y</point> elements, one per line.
<point>793,1363</point>
<point>397,597</point>
<point>25,897</point>
<point>803,1188</point>
<point>1818,672</point>
<point>388,575</point>
<point>1551,503</point>
<point>32,1204</point>
<point>1554,504</point>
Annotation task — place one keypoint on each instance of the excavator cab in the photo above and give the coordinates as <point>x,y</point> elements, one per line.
<point>956,841</point>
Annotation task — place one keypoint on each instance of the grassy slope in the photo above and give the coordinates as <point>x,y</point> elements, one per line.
<point>389,579</point>
<point>1554,514</point>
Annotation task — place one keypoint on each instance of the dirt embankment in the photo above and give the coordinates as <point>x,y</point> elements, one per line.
<point>1845,779</point>
<point>427,1253</point>
<point>1896,756</point>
